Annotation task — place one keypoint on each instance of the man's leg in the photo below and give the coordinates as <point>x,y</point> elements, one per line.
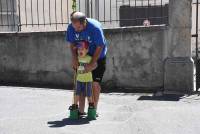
<point>96,93</point>
<point>97,78</point>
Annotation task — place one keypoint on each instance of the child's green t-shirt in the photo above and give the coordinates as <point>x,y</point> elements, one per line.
<point>84,77</point>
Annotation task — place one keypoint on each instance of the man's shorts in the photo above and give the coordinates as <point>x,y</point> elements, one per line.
<point>84,87</point>
<point>98,73</point>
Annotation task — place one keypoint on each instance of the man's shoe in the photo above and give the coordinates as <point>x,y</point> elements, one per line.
<point>97,114</point>
<point>81,114</point>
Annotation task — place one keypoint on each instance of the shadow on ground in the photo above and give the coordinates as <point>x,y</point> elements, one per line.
<point>164,97</point>
<point>67,121</point>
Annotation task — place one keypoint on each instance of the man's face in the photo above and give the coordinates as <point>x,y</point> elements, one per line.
<point>77,26</point>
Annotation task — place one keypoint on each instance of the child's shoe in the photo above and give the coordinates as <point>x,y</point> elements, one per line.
<point>73,111</point>
<point>91,112</point>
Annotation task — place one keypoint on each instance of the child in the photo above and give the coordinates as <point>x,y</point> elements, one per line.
<point>83,78</point>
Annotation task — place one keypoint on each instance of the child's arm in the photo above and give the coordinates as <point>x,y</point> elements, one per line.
<point>90,69</point>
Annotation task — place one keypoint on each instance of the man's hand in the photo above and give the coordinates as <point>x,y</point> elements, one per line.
<point>75,63</point>
<point>89,67</point>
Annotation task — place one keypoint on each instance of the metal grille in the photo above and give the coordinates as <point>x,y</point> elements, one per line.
<point>196,59</point>
<point>51,15</point>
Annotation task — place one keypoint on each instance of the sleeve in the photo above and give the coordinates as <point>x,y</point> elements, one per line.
<point>70,35</point>
<point>99,38</point>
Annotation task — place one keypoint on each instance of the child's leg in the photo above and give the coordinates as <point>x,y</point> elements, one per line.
<point>88,87</point>
<point>77,95</point>
<point>91,109</point>
<point>90,100</point>
<point>81,103</point>
<point>76,99</point>
<point>75,104</point>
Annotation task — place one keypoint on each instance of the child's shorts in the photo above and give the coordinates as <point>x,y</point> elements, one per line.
<point>84,87</point>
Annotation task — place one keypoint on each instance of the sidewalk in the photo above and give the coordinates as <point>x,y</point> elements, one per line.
<point>26,110</point>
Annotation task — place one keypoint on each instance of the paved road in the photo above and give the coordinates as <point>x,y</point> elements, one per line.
<point>43,111</point>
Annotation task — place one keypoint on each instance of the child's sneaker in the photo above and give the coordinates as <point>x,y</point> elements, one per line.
<point>73,107</point>
<point>91,112</point>
<point>73,111</point>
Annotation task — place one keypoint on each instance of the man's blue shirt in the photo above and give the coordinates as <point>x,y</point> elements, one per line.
<point>93,33</point>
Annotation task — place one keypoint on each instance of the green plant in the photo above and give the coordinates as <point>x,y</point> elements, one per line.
<point>74,5</point>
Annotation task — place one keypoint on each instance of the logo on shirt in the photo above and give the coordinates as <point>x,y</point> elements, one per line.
<point>77,36</point>
<point>89,39</point>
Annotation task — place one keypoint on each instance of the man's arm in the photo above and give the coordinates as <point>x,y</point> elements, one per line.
<point>96,55</point>
<point>93,64</point>
<point>74,56</point>
<point>73,50</point>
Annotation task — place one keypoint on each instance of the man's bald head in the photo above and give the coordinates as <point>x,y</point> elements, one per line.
<point>78,16</point>
<point>78,20</point>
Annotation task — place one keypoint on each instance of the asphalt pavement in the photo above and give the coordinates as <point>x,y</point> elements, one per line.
<point>27,110</point>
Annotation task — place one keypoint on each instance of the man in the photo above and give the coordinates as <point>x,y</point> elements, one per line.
<point>90,30</point>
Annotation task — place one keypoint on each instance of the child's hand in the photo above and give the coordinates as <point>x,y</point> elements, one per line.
<point>89,67</point>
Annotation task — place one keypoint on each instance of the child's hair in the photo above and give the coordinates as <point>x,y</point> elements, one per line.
<point>83,43</point>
